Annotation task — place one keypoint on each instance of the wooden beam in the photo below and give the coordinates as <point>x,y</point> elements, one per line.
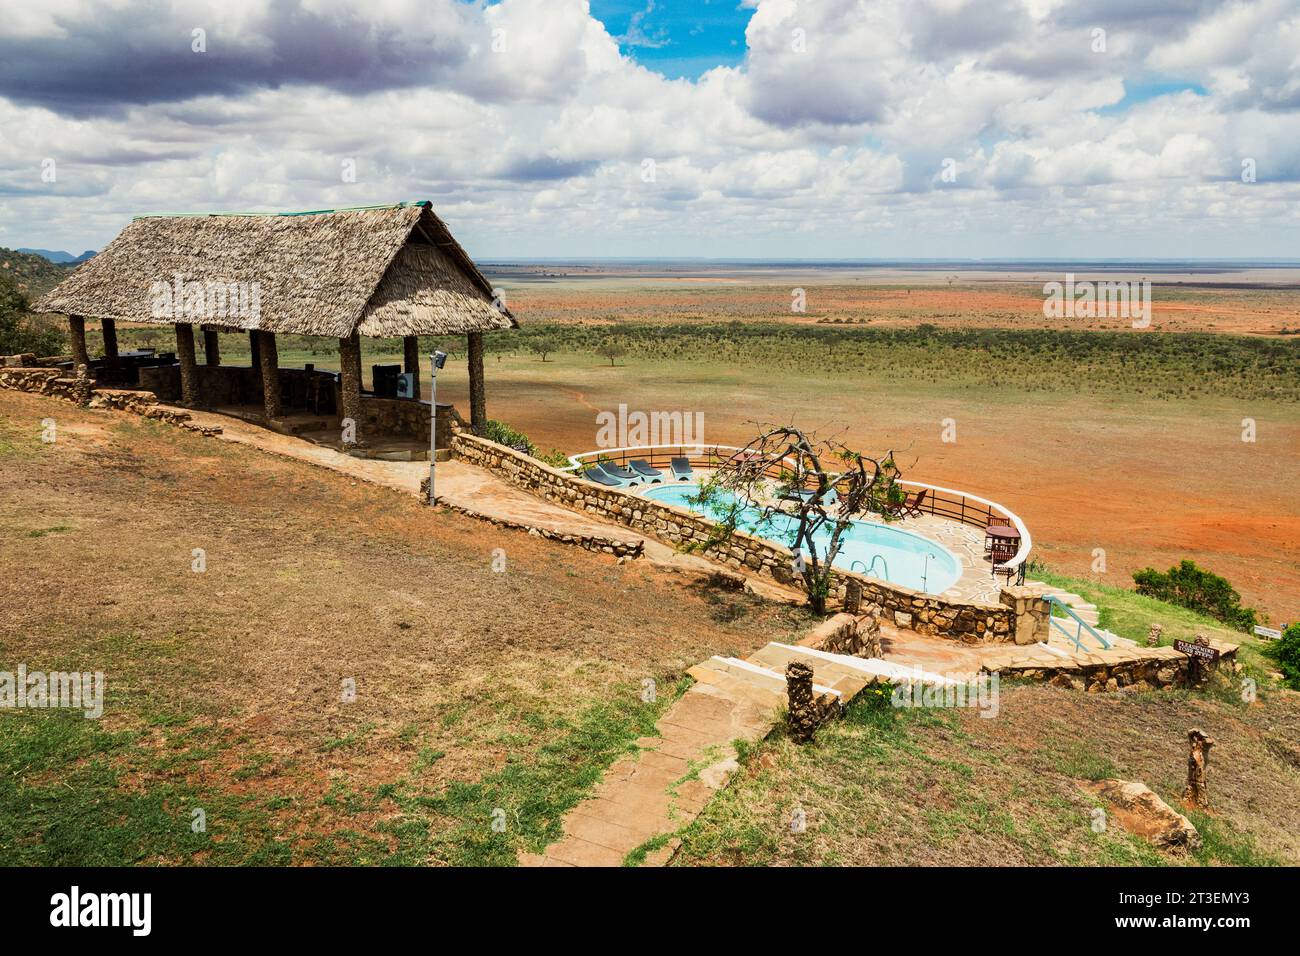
<point>477,395</point>
<point>269,361</point>
<point>109,328</point>
<point>350,387</point>
<point>212,346</point>
<point>77,334</point>
<point>189,365</point>
<point>411,360</point>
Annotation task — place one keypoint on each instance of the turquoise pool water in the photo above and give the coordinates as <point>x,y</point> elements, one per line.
<point>900,557</point>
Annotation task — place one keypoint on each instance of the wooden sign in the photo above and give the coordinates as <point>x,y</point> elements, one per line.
<point>1197,649</point>
<point>1268,632</point>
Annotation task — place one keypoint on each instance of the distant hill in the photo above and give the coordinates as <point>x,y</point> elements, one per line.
<point>33,274</point>
<point>59,256</point>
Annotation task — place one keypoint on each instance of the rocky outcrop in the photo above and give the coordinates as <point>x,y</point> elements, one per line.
<point>1137,809</point>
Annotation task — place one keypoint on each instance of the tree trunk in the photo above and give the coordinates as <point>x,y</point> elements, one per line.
<point>477,395</point>
<point>1197,793</point>
<point>77,334</point>
<point>411,360</point>
<point>350,386</point>
<point>211,347</point>
<point>189,365</point>
<point>269,360</point>
<point>109,329</point>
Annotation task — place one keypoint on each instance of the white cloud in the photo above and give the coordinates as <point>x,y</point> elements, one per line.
<point>824,142</point>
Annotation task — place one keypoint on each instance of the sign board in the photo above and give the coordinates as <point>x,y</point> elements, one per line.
<point>1197,650</point>
<point>1268,632</point>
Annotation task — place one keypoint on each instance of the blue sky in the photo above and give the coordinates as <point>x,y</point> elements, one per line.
<point>678,38</point>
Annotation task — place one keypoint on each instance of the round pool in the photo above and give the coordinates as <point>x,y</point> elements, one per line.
<point>880,551</point>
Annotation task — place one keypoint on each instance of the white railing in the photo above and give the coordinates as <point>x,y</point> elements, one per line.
<point>942,502</point>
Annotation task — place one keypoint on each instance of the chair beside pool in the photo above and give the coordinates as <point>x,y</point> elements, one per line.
<point>596,474</point>
<point>681,468</point>
<point>646,470</point>
<point>624,475</point>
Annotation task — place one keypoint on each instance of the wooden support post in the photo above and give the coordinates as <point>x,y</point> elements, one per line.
<point>477,395</point>
<point>411,360</point>
<point>350,387</point>
<point>189,365</point>
<point>77,334</point>
<point>211,347</point>
<point>109,328</point>
<point>1197,793</point>
<point>269,361</point>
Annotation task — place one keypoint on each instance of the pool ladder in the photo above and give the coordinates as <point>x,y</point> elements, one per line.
<point>867,568</point>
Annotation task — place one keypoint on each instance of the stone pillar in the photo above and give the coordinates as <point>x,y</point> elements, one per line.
<point>211,347</point>
<point>1197,793</point>
<point>109,328</point>
<point>83,387</point>
<point>77,335</point>
<point>189,365</point>
<point>269,362</point>
<point>477,396</point>
<point>852,596</point>
<point>411,360</point>
<point>1153,635</point>
<point>350,387</point>
<point>803,716</point>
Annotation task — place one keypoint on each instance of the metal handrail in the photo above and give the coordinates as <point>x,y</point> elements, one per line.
<point>868,568</point>
<point>941,502</point>
<point>1077,637</point>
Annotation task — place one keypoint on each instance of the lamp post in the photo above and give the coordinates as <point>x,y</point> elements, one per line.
<point>436,361</point>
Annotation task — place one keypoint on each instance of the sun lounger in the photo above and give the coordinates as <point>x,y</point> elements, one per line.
<point>646,470</point>
<point>599,477</point>
<point>681,468</point>
<point>622,474</point>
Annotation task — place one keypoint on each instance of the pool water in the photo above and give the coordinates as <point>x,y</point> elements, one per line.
<point>891,554</point>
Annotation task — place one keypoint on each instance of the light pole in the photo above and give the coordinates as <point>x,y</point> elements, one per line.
<point>436,361</point>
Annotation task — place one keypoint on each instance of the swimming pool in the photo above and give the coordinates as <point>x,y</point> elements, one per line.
<point>891,554</point>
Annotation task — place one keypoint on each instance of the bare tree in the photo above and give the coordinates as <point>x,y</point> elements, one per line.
<point>791,486</point>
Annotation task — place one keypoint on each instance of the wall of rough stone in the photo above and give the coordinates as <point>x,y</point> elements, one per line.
<point>856,635</point>
<point>928,614</point>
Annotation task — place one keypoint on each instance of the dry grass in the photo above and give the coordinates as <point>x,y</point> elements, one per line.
<point>312,580</point>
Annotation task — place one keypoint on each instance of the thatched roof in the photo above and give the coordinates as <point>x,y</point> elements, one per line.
<point>382,271</point>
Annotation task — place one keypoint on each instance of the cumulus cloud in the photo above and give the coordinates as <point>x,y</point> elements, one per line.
<point>851,127</point>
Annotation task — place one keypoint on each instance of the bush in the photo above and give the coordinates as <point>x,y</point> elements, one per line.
<point>503,434</point>
<point>21,332</point>
<point>1198,590</point>
<point>1286,652</point>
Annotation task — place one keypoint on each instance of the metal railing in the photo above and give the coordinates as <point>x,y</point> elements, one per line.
<point>1080,624</point>
<point>942,502</point>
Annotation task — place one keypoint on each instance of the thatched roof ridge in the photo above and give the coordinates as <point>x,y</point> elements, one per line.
<point>390,270</point>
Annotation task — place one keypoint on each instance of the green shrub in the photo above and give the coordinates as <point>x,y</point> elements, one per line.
<point>1286,652</point>
<point>1198,590</point>
<point>503,434</point>
<point>22,332</point>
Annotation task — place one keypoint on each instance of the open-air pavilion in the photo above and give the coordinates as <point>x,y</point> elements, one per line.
<point>382,272</point>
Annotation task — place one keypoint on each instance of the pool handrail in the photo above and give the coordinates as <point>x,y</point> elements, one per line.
<point>979,506</point>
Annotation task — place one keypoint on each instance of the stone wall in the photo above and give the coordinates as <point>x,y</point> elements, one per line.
<point>47,381</point>
<point>856,635</point>
<point>926,613</point>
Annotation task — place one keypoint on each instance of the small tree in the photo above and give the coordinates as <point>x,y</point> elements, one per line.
<point>542,346</point>
<point>803,491</point>
<point>22,332</point>
<point>611,349</point>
